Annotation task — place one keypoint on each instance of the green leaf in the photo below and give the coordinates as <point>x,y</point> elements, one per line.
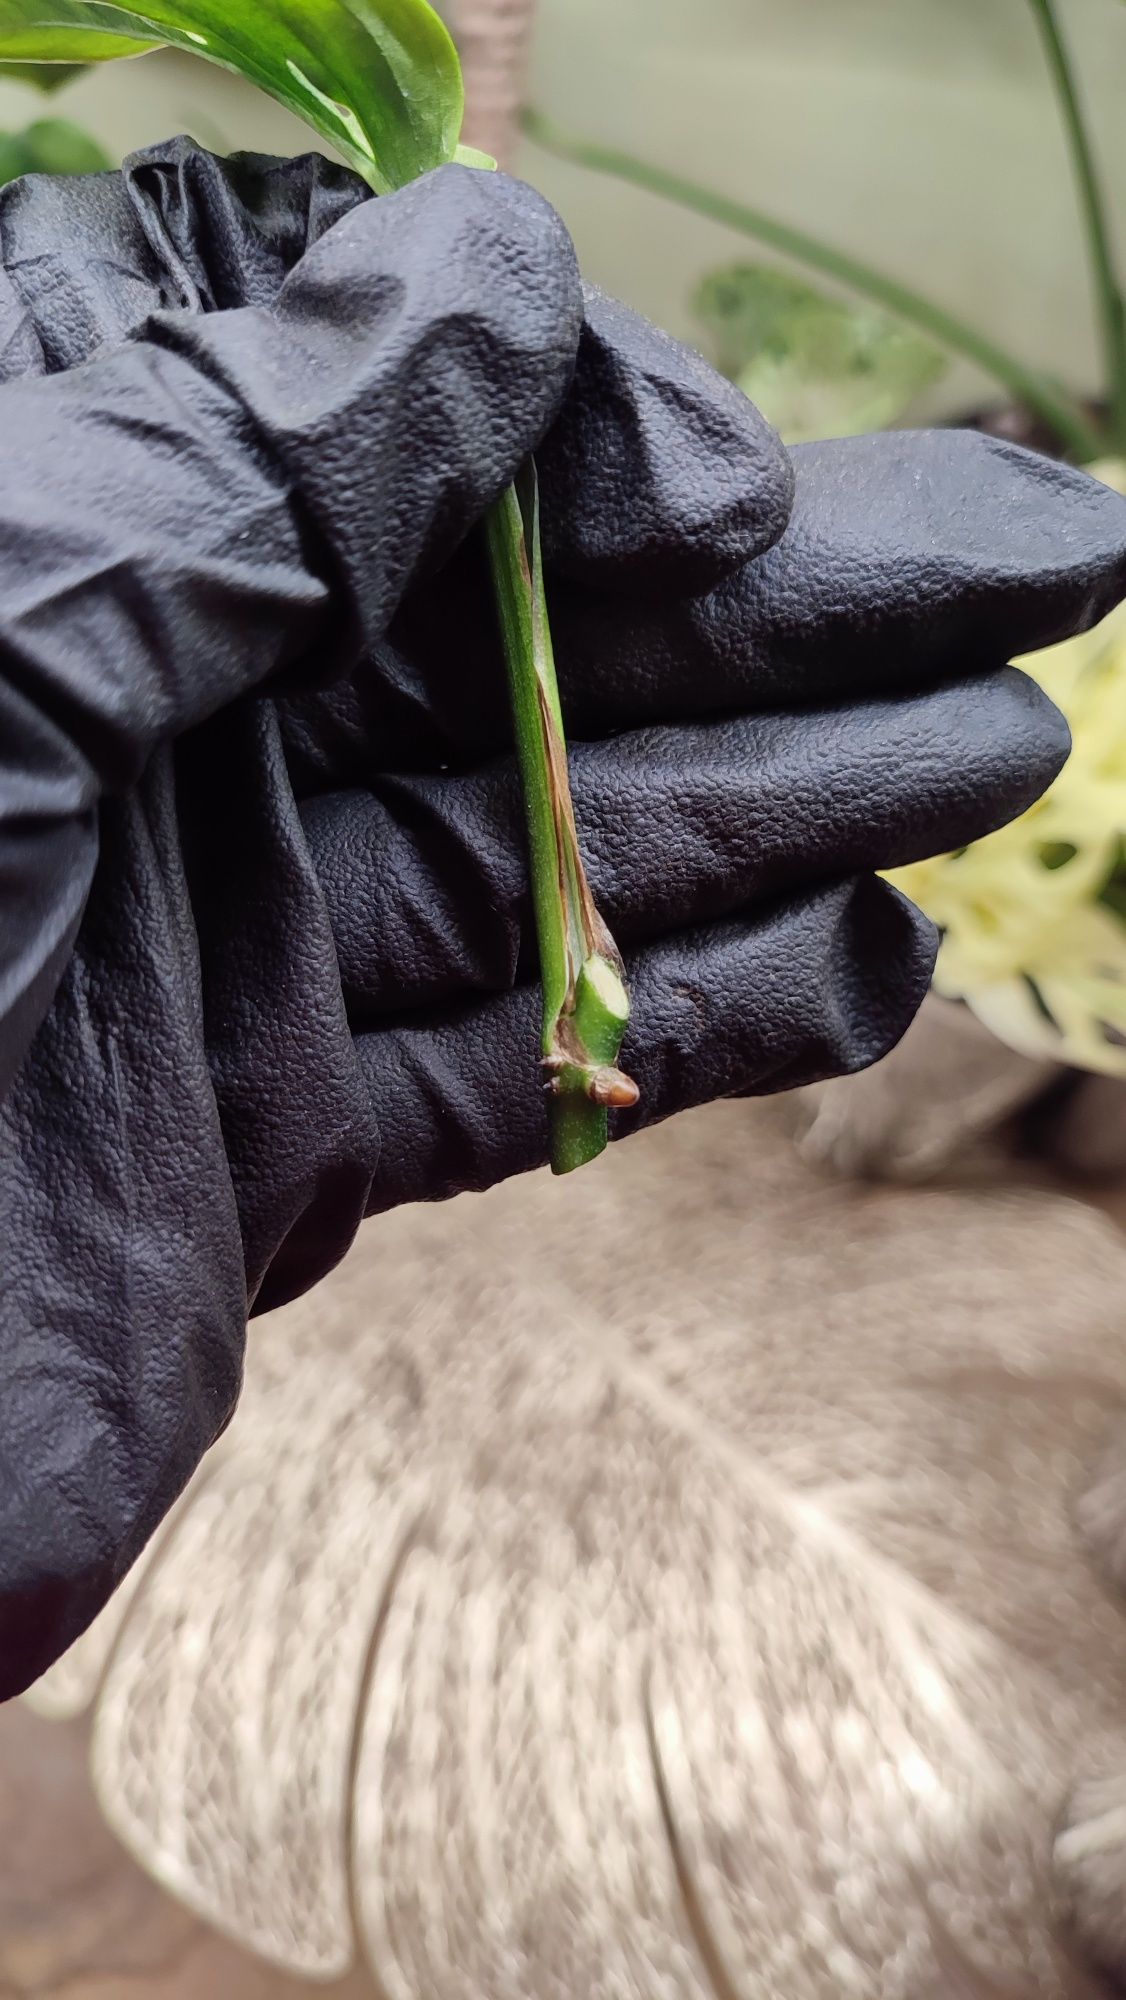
<point>47,77</point>
<point>50,146</point>
<point>379,79</point>
<point>815,366</point>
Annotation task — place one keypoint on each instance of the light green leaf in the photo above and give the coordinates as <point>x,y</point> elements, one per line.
<point>379,79</point>
<point>815,366</point>
<point>50,146</point>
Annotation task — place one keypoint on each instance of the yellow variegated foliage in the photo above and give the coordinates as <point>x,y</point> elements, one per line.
<point>1029,941</point>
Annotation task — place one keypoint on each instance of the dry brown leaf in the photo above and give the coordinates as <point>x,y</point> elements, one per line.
<point>658,1584</point>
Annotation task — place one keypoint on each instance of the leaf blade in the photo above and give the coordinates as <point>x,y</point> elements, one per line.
<point>379,79</point>
<point>45,77</point>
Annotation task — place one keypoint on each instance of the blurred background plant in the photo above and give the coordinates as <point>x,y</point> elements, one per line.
<point>1034,918</point>
<point>818,366</point>
<point>47,145</point>
<point>800,352</point>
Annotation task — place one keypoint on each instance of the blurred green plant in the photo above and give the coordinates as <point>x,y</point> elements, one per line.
<point>816,366</point>
<point>1034,917</point>
<point>49,146</point>
<point>1084,434</point>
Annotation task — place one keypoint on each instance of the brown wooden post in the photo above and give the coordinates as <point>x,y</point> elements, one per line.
<point>493,36</point>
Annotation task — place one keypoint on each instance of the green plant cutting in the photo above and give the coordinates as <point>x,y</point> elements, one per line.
<point>1084,434</point>
<point>380,81</point>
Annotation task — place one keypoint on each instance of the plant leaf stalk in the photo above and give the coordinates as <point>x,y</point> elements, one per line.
<point>585,1005</point>
<point>1109,305</point>
<point>1039,392</point>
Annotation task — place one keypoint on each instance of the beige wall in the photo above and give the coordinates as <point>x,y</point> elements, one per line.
<point>917,132</point>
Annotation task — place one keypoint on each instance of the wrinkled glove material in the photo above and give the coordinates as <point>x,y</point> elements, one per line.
<point>266,958</point>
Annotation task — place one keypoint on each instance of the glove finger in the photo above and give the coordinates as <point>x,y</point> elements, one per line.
<point>911,557</point>
<point>425,879</point>
<point>409,364</point>
<point>797,992</point>
<point>659,474</point>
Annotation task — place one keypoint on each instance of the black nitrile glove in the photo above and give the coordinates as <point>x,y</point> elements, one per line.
<point>274,947</point>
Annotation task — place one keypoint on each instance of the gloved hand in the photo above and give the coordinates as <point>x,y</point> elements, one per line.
<point>264,905</point>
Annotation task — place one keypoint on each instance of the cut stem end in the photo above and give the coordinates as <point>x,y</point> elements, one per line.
<point>582,1063</point>
<point>586,1006</point>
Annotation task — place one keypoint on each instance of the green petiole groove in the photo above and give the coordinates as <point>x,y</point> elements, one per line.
<point>585,1005</point>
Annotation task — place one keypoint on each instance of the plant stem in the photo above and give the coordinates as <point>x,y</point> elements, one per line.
<point>585,1005</point>
<point>1104,278</point>
<point>1047,398</point>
